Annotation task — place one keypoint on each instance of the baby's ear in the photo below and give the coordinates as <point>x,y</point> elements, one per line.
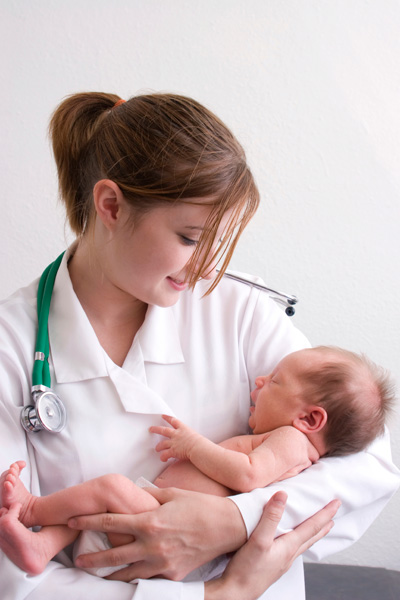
<point>312,419</point>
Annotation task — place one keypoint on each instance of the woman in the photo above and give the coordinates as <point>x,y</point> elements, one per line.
<point>157,191</point>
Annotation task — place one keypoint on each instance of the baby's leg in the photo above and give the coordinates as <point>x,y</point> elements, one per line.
<point>28,550</point>
<point>182,474</point>
<point>12,491</point>
<point>110,493</point>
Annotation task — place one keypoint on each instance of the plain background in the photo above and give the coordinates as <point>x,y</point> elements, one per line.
<point>312,90</point>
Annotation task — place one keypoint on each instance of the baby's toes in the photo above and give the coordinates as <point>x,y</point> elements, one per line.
<point>11,479</point>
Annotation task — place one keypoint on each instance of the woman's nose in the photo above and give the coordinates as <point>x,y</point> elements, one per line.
<point>211,271</point>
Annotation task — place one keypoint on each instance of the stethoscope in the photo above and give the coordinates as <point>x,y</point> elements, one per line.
<point>286,299</point>
<point>47,411</point>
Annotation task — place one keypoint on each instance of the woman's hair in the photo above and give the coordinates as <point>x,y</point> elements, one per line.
<point>159,149</point>
<point>357,395</point>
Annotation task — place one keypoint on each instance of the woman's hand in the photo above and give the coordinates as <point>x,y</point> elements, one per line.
<point>186,531</point>
<point>263,559</point>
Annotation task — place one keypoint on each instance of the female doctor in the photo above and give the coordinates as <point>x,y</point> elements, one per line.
<point>157,191</point>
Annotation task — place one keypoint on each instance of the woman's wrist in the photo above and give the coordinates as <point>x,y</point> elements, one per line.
<point>230,522</point>
<point>218,589</point>
<point>264,558</point>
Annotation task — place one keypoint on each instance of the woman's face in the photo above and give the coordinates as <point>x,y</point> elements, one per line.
<point>148,260</point>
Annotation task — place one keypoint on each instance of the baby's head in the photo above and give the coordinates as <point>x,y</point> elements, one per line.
<point>356,394</point>
<point>337,398</point>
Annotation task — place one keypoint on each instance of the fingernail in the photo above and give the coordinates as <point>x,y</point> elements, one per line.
<point>278,501</point>
<point>280,498</point>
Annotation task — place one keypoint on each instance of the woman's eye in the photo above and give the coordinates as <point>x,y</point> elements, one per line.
<point>188,242</point>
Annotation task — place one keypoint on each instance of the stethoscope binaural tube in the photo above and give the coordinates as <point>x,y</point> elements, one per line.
<point>47,411</point>
<point>287,300</point>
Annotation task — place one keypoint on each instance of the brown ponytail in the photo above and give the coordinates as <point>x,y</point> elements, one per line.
<point>71,128</point>
<point>159,149</point>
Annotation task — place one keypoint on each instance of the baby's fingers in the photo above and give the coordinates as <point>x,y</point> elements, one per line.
<point>173,421</point>
<point>165,431</point>
<point>163,445</point>
<point>166,455</point>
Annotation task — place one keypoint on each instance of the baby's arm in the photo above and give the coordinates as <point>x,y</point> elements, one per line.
<point>283,453</point>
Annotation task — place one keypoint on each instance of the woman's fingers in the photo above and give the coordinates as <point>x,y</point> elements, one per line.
<point>114,557</point>
<point>139,570</point>
<point>166,544</point>
<point>316,527</point>
<point>264,558</point>
<point>110,522</point>
<point>272,514</point>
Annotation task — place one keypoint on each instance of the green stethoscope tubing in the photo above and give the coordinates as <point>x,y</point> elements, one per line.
<point>46,410</point>
<point>41,370</point>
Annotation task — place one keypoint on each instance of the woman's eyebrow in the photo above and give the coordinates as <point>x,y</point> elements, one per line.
<point>194,227</point>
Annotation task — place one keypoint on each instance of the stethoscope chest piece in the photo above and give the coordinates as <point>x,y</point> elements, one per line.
<point>47,412</point>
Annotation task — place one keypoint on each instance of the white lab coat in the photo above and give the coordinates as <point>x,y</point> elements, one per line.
<point>197,360</point>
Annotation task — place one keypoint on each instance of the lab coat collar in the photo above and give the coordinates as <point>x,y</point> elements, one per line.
<point>75,350</point>
<point>159,337</point>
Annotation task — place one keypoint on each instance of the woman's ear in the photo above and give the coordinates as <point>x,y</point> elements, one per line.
<point>108,201</point>
<point>312,419</point>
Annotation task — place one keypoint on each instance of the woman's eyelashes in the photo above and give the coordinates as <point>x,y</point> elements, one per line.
<point>191,242</point>
<point>188,241</point>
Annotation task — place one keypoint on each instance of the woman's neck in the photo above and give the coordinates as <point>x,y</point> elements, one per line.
<point>115,316</point>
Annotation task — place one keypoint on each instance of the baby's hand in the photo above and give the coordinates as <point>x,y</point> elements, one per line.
<point>179,439</point>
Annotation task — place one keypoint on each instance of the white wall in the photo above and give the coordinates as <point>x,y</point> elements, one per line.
<point>311,88</point>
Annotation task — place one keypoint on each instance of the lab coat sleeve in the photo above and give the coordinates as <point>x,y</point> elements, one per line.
<point>364,482</point>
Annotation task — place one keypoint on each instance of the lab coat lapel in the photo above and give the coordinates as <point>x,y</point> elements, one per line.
<point>159,337</point>
<point>135,395</point>
<point>156,342</point>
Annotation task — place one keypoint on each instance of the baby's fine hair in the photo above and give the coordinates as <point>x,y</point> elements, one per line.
<point>357,395</point>
<point>160,149</point>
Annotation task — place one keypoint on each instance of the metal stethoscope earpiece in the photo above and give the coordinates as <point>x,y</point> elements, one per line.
<point>286,299</point>
<point>47,411</point>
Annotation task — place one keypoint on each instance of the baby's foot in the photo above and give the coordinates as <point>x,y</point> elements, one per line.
<point>23,547</point>
<point>12,491</point>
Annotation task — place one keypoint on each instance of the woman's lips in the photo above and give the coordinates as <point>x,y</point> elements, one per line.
<point>179,286</point>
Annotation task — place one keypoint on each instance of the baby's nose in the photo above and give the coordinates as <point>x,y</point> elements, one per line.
<point>260,381</point>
